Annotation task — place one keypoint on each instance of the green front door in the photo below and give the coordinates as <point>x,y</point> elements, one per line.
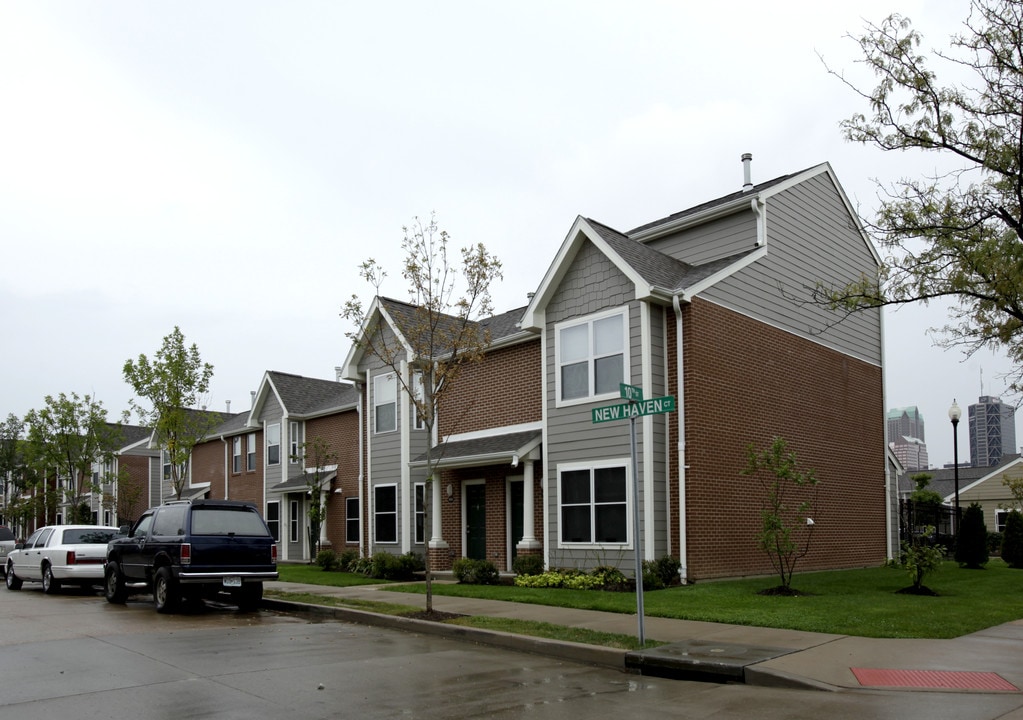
<point>476,521</point>
<point>516,521</point>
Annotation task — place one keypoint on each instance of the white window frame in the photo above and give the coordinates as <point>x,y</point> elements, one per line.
<point>293,521</point>
<point>250,452</point>
<point>270,444</point>
<point>377,513</point>
<point>417,396</point>
<point>391,379</point>
<point>591,356</point>
<point>293,441</point>
<point>236,454</point>
<point>1001,515</point>
<point>419,512</point>
<point>591,467</point>
<point>352,520</point>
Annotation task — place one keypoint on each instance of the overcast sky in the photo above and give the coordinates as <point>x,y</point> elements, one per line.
<point>225,166</point>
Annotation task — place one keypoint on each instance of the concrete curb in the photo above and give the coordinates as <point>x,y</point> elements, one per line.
<point>562,650</point>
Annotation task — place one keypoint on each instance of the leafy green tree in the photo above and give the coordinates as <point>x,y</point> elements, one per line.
<point>971,544</point>
<point>789,497</point>
<point>65,438</point>
<point>955,233</point>
<point>11,463</point>
<point>920,560</point>
<point>440,335</point>
<point>1012,539</point>
<point>319,458</point>
<point>174,384</point>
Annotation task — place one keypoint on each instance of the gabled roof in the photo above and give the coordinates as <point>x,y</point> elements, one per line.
<point>656,275</point>
<point>404,320</point>
<point>303,397</point>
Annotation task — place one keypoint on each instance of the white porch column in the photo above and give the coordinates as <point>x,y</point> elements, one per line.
<point>323,523</point>
<point>436,539</point>
<point>528,541</point>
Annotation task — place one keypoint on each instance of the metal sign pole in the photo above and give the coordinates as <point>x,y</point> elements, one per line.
<point>638,544</point>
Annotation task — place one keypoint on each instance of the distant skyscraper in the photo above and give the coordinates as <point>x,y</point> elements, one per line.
<point>992,431</point>
<point>905,422</point>
<point>906,437</point>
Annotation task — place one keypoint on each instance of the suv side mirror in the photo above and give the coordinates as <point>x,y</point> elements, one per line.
<point>124,529</point>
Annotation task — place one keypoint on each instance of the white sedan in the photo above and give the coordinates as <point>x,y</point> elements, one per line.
<point>58,554</point>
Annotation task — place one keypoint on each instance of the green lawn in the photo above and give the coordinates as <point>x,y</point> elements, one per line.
<point>315,575</point>
<point>848,602</point>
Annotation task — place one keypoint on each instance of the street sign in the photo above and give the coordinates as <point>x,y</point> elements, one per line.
<point>630,392</point>
<point>624,411</point>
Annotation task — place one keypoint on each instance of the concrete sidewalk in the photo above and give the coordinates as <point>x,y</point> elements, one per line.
<point>986,661</point>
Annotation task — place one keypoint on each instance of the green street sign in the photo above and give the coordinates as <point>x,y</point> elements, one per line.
<point>630,392</point>
<point>624,411</point>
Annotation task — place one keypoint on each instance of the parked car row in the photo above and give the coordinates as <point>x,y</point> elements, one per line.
<point>181,552</point>
<point>6,545</point>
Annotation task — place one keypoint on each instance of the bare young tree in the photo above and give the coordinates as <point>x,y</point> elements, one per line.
<point>438,332</point>
<point>318,457</point>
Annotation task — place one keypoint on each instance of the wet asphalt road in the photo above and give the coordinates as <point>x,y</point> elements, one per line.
<point>76,656</point>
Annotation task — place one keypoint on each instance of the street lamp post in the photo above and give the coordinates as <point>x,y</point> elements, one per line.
<point>954,413</point>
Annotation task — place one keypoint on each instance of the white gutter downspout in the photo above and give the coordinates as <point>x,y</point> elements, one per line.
<point>888,481</point>
<point>681,408</point>
<point>362,510</point>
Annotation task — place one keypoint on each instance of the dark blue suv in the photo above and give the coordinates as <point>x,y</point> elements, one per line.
<point>185,551</point>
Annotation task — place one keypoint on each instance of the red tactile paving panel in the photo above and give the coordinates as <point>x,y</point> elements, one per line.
<point>937,679</point>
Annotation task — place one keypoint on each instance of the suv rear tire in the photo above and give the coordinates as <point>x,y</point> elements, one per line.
<point>113,584</point>
<point>165,591</point>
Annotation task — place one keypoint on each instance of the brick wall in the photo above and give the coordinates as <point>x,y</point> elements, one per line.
<point>341,432</point>
<point>747,382</point>
<point>208,465</point>
<point>502,390</point>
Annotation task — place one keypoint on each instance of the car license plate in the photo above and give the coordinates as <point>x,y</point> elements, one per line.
<point>232,581</point>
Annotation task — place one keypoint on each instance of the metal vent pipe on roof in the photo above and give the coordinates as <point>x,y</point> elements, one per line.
<point>747,182</point>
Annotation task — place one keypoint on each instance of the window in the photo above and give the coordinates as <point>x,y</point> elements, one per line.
<point>170,520</point>
<point>166,464</point>
<point>385,509</point>
<point>293,441</point>
<point>385,403</point>
<point>293,522</point>
<point>250,456</point>
<point>420,512</point>
<point>236,455</point>
<point>418,395</point>
<point>594,505</point>
<point>352,519</point>
<point>233,522</point>
<point>273,519</point>
<point>273,444</point>
<point>591,357</point>
<point>1001,516</point>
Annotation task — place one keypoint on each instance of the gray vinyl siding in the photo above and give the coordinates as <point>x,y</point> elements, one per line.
<point>714,240</point>
<point>593,284</point>
<point>155,481</point>
<point>810,238</point>
<point>269,414</point>
<point>385,454</point>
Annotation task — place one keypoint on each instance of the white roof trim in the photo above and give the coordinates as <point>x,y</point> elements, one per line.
<point>350,367</point>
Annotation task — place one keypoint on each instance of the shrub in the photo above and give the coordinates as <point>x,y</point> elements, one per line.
<point>610,578</point>
<point>362,566</point>
<point>921,560</point>
<point>971,548</point>
<point>551,579</point>
<point>327,559</point>
<point>528,564</point>
<point>1012,540</point>
<point>475,572</point>
<point>387,566</point>
<point>661,573</point>
<point>582,582</point>
<point>994,543</point>
<point>348,560</point>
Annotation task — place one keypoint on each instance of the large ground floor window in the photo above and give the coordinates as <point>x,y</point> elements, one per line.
<point>593,504</point>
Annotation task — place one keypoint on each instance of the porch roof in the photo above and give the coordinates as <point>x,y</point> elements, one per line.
<point>299,484</point>
<point>490,450</point>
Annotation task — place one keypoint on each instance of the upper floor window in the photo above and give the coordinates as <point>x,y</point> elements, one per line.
<point>591,356</point>
<point>294,441</point>
<point>236,454</point>
<point>250,455</point>
<point>385,403</point>
<point>419,396</point>
<point>593,504</point>
<point>273,444</point>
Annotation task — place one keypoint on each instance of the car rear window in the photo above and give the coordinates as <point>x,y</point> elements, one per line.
<point>227,521</point>
<point>6,534</point>
<point>88,536</point>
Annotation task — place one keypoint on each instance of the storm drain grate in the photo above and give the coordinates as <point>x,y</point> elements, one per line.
<point>938,679</point>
